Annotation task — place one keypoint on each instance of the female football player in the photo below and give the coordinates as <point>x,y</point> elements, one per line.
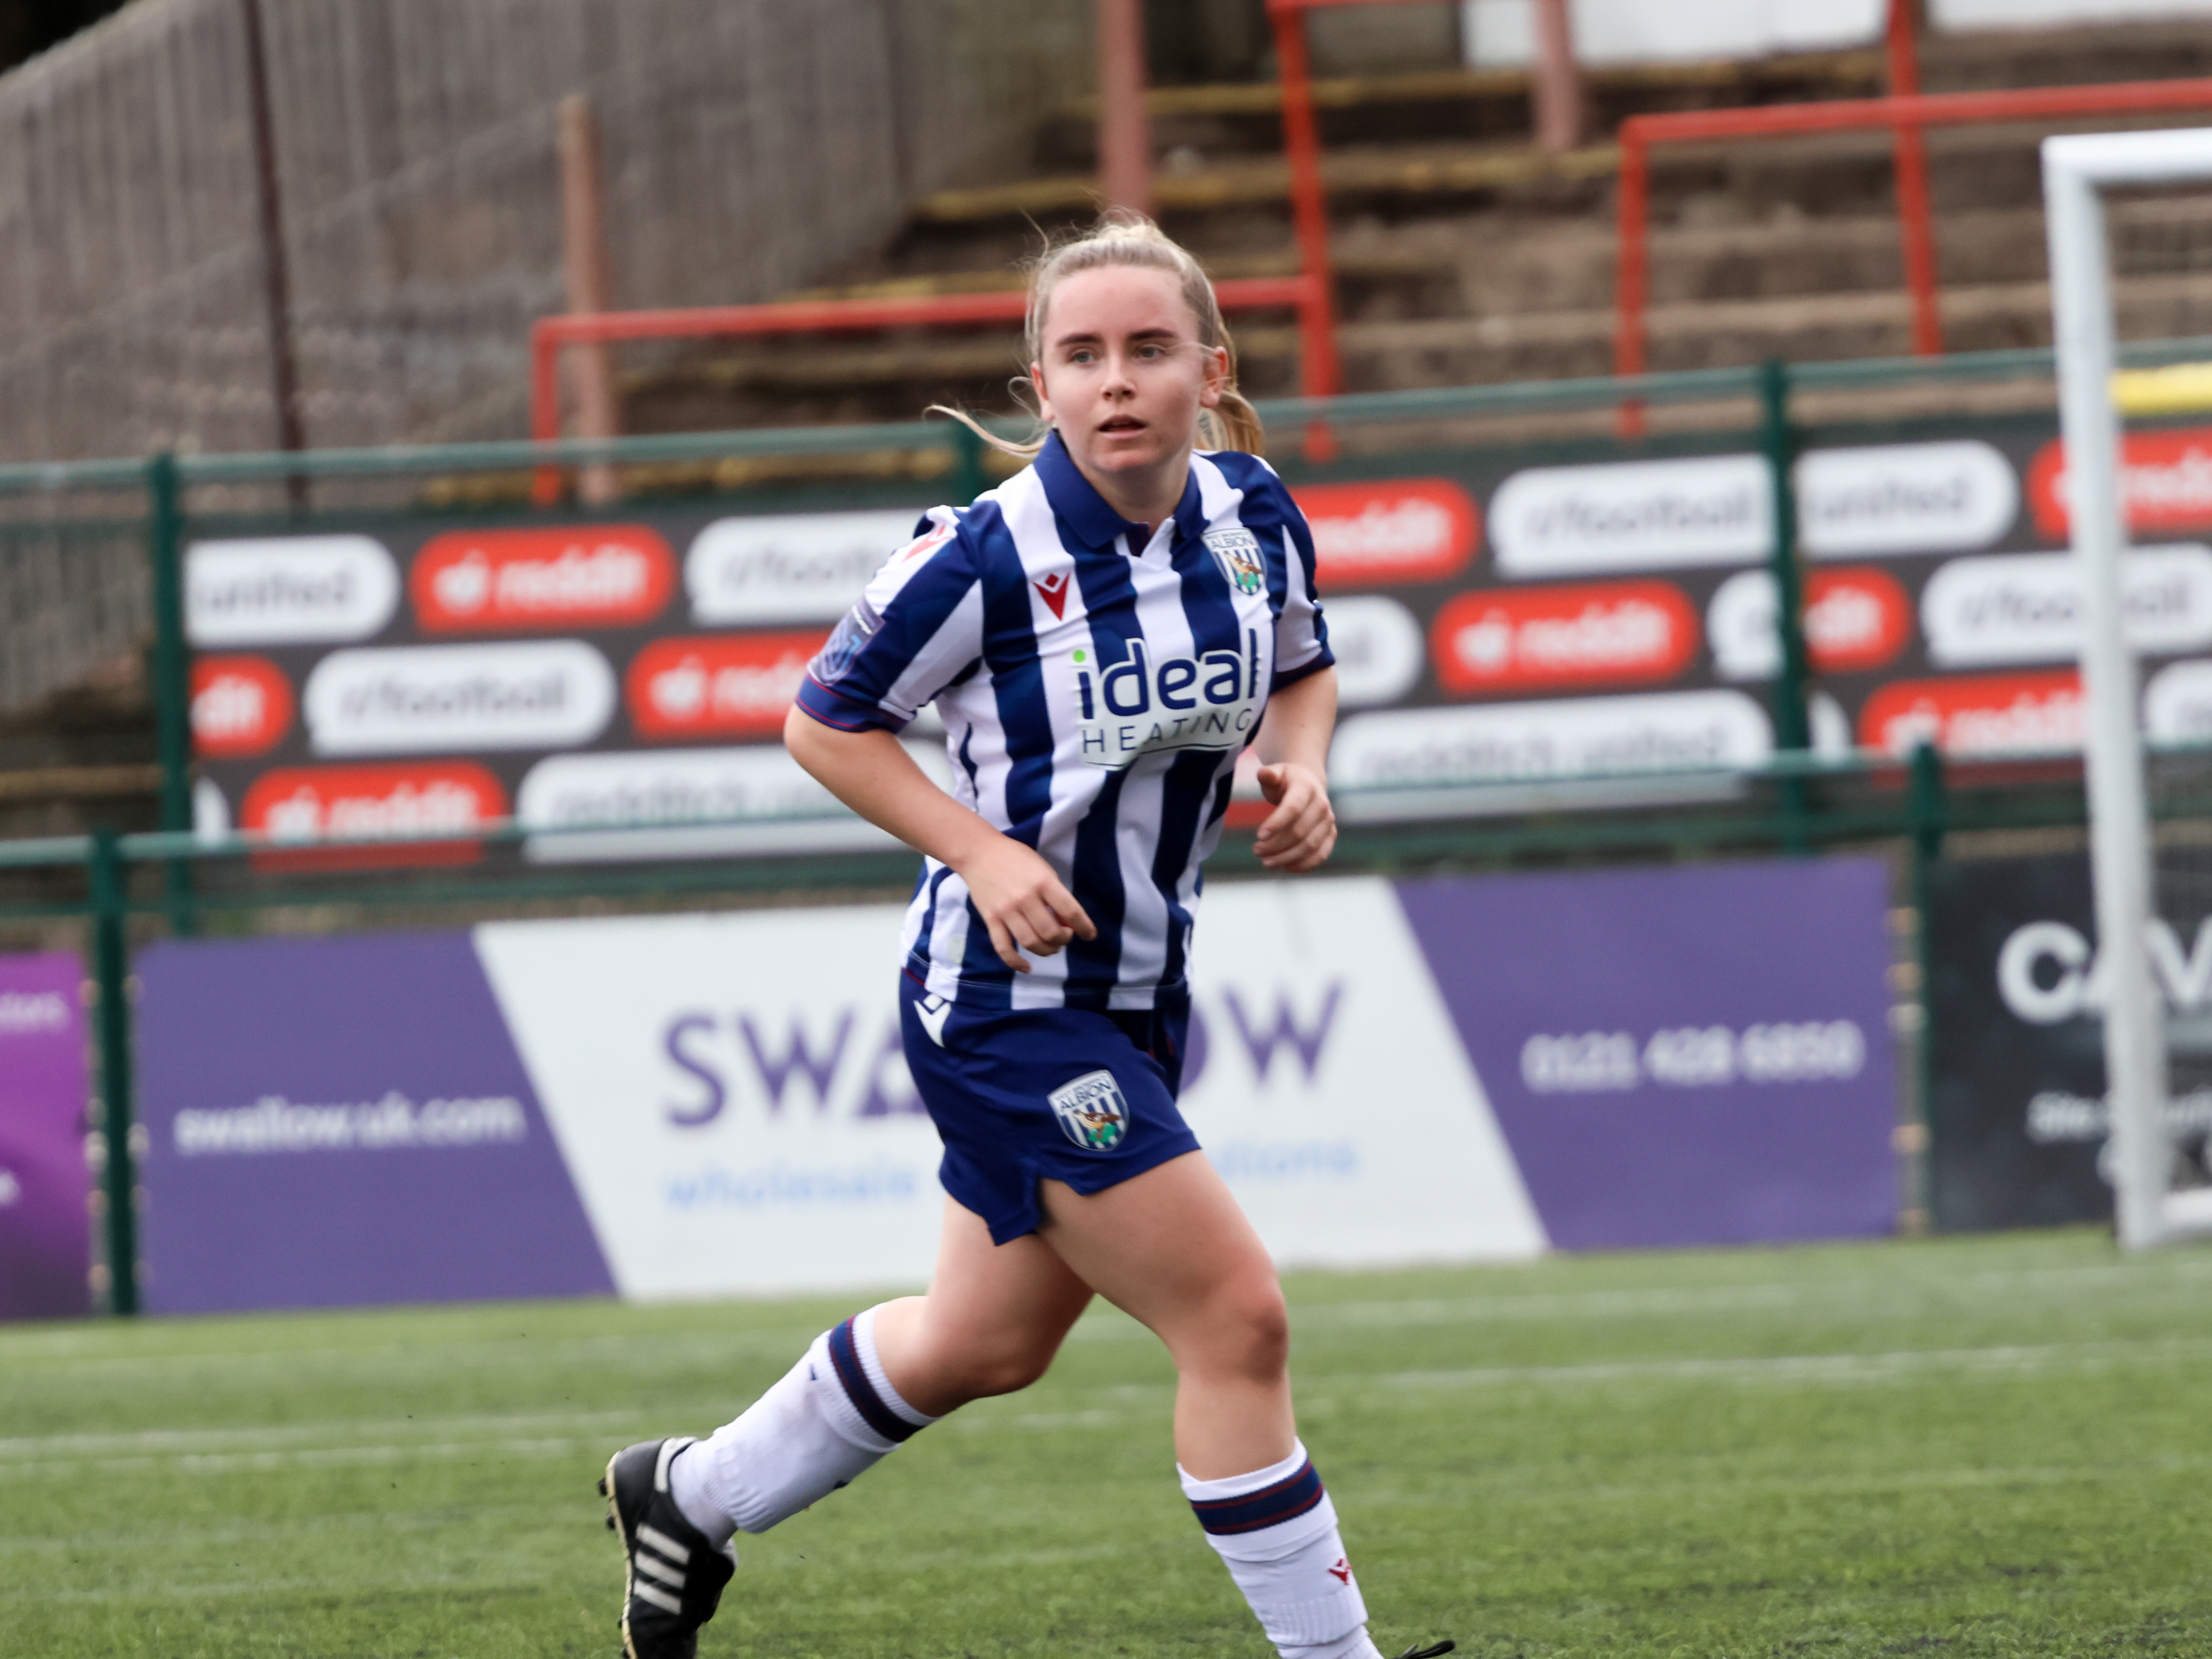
<point>1102,634</point>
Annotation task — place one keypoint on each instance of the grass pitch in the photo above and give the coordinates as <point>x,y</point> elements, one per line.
<point>1965,1447</point>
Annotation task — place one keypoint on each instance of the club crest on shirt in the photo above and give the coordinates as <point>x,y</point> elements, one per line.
<point>1092,1111</point>
<point>1238,552</point>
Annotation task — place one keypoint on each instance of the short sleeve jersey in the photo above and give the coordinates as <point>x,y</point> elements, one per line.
<point>1097,684</point>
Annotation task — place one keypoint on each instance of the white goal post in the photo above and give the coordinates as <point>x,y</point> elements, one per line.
<point>2077,170</point>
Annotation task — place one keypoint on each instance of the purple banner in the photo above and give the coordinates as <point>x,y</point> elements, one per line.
<point>45,1241</point>
<point>1683,1056</point>
<point>344,1121</point>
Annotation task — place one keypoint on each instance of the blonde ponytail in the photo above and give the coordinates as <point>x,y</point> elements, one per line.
<point>1124,238</point>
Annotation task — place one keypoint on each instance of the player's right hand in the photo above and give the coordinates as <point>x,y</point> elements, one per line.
<point>1022,901</point>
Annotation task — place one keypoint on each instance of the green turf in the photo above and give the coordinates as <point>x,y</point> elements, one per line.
<point>1989,1447</point>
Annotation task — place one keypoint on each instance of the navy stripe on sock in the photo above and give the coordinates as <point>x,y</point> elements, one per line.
<point>845,1355</point>
<point>1270,1506</point>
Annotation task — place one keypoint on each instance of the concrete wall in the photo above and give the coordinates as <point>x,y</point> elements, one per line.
<point>747,145</point>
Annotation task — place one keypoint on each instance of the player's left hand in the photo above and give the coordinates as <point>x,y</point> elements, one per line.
<point>1300,832</point>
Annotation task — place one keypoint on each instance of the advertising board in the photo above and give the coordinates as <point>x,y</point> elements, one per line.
<point>2016,1043</point>
<point>44,1237</point>
<point>1499,616</point>
<point>705,1105</point>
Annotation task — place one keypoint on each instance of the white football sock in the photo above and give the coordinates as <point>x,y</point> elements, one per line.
<point>833,1414</point>
<point>1275,1529</point>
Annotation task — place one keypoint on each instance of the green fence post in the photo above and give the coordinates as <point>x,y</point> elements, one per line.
<point>172,674</point>
<point>110,971</point>
<point>968,479</point>
<point>1928,803</point>
<point>1926,812</point>
<point>1792,729</point>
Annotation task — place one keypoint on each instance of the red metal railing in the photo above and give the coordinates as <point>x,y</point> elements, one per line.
<point>1309,202</point>
<point>1905,116</point>
<point>550,336</point>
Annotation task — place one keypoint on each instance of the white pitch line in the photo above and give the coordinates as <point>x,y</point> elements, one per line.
<point>180,1441</point>
<point>215,1451</point>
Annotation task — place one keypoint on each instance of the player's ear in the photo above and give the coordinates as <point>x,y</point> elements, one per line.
<point>1044,397</point>
<point>1216,380</point>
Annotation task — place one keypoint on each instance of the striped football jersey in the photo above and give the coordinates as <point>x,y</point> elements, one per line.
<point>1096,686</point>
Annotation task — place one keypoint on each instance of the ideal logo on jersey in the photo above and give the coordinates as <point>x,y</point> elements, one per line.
<point>2165,482</point>
<point>740,685</point>
<point>1238,552</point>
<point>578,575</point>
<point>432,800</point>
<point>240,705</point>
<point>1404,530</point>
<point>1135,708</point>
<point>1978,716</point>
<point>1603,634</point>
<point>1092,1112</point>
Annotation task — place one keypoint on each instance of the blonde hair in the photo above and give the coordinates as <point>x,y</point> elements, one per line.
<point>1125,238</point>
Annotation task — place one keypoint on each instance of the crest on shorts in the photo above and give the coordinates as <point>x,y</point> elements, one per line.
<point>1238,552</point>
<point>1092,1111</point>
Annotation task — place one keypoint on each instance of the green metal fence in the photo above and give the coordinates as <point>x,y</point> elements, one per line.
<point>121,888</point>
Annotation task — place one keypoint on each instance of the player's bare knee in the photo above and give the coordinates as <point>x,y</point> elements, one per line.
<point>1245,1330</point>
<point>987,1369</point>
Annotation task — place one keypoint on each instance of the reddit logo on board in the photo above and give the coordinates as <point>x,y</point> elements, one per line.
<point>1395,531</point>
<point>719,686</point>
<point>607,575</point>
<point>1975,716</point>
<point>439,802</point>
<point>1591,633</point>
<point>2165,482</point>
<point>240,707</point>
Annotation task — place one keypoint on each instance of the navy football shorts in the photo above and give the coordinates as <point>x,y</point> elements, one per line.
<point>1025,1095</point>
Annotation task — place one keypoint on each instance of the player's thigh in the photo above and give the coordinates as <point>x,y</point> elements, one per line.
<point>1172,1248</point>
<point>995,1313</point>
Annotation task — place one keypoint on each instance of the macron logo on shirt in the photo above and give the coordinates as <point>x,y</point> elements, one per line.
<point>1053,590</point>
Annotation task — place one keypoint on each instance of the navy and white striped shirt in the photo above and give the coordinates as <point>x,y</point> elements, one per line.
<point>1097,686</point>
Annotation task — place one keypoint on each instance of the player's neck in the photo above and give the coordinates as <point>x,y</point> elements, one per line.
<point>1148,496</point>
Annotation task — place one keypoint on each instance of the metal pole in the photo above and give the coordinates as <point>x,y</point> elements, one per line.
<point>1928,805</point>
<point>111,968</point>
<point>1928,812</point>
<point>1792,729</point>
<point>1630,276</point>
<point>1916,221</point>
<point>584,265</point>
<point>1319,373</point>
<point>171,676</point>
<point>968,479</point>
<point>1557,81</point>
<point>2119,819</point>
<point>1124,131</point>
<point>545,408</point>
<point>276,274</point>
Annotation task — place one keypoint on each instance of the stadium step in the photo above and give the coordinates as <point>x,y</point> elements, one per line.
<point>1349,175</point>
<point>1462,252</point>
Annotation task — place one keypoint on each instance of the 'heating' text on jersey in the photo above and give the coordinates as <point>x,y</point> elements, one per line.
<point>1137,707</point>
